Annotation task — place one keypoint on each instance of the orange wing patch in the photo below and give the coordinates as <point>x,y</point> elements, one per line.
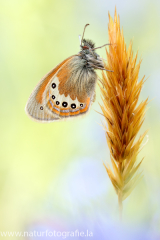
<point>39,96</point>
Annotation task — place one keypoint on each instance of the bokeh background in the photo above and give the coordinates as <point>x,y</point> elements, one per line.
<point>52,175</point>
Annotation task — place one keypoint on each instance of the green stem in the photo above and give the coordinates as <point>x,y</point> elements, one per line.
<point>120,205</point>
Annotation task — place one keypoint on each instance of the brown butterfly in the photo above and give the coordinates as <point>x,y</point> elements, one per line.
<point>68,90</point>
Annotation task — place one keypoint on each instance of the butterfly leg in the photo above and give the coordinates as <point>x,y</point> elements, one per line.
<point>94,96</point>
<point>101,82</point>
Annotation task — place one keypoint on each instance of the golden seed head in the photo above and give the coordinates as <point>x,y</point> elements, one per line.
<point>120,93</point>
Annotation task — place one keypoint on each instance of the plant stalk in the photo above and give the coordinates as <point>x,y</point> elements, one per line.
<point>120,205</point>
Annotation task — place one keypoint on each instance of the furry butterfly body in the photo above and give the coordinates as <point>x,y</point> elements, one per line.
<point>69,89</point>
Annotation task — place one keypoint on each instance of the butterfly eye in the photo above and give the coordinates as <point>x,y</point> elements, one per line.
<point>81,105</point>
<point>53,97</point>
<point>73,105</point>
<point>85,47</point>
<point>57,103</point>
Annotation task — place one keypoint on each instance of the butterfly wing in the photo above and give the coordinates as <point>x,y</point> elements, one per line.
<point>66,91</point>
<point>36,104</point>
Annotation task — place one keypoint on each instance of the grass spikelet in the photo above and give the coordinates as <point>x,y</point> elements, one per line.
<point>120,91</point>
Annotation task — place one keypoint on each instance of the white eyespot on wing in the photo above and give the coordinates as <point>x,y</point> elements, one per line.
<point>58,104</point>
<point>53,88</point>
<point>38,111</point>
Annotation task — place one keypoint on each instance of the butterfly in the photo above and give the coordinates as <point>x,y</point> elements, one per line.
<point>68,90</point>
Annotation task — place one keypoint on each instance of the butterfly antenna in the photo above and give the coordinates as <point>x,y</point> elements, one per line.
<point>101,46</point>
<point>83,32</point>
<point>79,39</point>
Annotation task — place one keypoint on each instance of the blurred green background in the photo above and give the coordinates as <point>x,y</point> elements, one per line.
<point>52,175</point>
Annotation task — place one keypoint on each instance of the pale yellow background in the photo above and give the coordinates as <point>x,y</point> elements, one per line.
<point>52,175</point>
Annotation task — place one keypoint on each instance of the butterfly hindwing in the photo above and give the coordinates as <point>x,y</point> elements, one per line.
<point>62,93</point>
<point>36,105</point>
<point>63,105</point>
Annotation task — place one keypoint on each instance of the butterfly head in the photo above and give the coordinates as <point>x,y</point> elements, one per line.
<point>87,44</point>
<point>87,53</point>
<point>91,59</point>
